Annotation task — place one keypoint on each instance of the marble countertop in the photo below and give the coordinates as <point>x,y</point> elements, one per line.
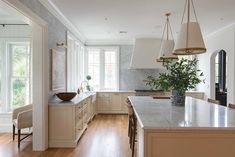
<point>197,114</point>
<point>76,100</point>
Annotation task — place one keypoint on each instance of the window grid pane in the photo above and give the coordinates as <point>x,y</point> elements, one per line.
<point>102,66</point>
<point>20,75</point>
<point>94,68</point>
<point>110,70</point>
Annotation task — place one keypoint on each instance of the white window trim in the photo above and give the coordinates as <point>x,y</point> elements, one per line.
<point>102,49</point>
<point>6,96</point>
<point>75,69</point>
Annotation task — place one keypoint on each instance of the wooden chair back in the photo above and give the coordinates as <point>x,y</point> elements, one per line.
<point>231,106</point>
<point>214,101</point>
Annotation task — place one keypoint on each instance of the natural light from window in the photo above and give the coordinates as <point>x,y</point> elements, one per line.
<point>15,74</point>
<point>102,66</point>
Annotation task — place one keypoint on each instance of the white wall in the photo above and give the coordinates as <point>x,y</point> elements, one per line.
<point>223,39</point>
<point>20,31</point>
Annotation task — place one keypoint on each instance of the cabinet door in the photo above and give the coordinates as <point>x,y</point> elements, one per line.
<point>85,111</point>
<point>61,123</point>
<point>116,102</point>
<point>103,102</point>
<point>196,95</point>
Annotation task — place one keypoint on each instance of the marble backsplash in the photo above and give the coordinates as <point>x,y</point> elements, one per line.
<point>131,79</point>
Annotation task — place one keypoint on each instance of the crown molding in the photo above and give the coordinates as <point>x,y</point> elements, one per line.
<point>53,9</point>
<point>219,30</point>
<point>109,42</point>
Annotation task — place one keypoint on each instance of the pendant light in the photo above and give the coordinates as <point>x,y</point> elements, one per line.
<point>190,40</point>
<point>167,45</point>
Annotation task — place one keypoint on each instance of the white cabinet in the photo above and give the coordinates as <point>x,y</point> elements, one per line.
<point>103,102</point>
<point>195,94</point>
<point>91,107</point>
<point>67,122</point>
<point>113,102</point>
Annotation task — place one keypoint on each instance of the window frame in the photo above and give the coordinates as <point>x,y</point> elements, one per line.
<point>102,50</point>
<point>6,105</point>
<point>75,63</point>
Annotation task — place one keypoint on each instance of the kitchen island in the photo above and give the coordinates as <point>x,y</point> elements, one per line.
<point>198,129</point>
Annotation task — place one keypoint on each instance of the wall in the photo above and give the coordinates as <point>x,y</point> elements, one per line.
<point>56,30</point>
<point>20,31</point>
<point>132,79</point>
<point>223,39</point>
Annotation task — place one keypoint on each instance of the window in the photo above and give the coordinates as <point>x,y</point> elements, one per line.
<point>103,67</point>
<point>189,57</point>
<point>75,60</point>
<point>15,74</point>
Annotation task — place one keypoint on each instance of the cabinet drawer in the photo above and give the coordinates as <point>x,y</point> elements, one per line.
<point>79,116</point>
<point>103,95</point>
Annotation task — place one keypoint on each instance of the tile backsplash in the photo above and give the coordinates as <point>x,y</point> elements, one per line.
<point>131,79</point>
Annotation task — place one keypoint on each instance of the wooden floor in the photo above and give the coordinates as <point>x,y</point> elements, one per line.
<point>106,136</point>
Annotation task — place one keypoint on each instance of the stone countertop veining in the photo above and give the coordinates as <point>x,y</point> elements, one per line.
<point>197,114</point>
<point>76,100</point>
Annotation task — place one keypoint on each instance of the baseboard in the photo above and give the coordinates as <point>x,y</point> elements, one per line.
<point>5,128</point>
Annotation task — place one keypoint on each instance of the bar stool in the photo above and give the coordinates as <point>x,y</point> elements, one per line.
<point>214,101</point>
<point>132,129</point>
<point>231,106</point>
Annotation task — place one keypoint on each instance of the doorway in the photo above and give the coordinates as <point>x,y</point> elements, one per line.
<point>221,77</point>
<point>40,61</point>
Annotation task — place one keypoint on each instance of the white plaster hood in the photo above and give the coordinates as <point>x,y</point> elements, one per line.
<point>146,51</point>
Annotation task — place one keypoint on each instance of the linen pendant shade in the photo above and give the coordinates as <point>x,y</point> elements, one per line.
<point>167,45</point>
<point>190,40</point>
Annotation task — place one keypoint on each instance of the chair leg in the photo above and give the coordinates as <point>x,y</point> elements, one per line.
<point>19,133</point>
<point>133,143</point>
<point>13,131</point>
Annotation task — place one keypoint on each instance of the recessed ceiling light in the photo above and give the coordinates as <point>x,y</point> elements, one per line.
<point>106,19</point>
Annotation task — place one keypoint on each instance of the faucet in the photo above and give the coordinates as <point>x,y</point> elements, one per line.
<point>82,85</point>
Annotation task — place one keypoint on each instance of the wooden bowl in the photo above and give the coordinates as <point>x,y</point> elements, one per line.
<point>66,96</point>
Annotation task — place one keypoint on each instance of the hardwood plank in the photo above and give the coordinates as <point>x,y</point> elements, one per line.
<point>106,136</point>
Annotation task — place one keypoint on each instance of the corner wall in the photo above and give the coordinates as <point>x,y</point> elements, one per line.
<point>56,30</point>
<point>223,39</point>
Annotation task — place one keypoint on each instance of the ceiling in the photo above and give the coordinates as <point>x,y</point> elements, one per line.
<point>104,19</point>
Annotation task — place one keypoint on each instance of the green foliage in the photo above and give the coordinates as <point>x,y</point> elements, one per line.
<point>20,70</point>
<point>88,77</point>
<point>18,92</point>
<point>182,75</point>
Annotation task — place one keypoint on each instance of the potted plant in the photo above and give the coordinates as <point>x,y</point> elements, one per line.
<point>88,87</point>
<point>180,77</point>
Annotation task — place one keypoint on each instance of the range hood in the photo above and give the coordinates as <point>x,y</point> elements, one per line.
<point>146,51</point>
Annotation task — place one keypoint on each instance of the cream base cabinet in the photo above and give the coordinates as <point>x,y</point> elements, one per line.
<point>62,132</point>
<point>103,102</point>
<point>195,94</point>
<point>113,102</point>
<point>67,123</point>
